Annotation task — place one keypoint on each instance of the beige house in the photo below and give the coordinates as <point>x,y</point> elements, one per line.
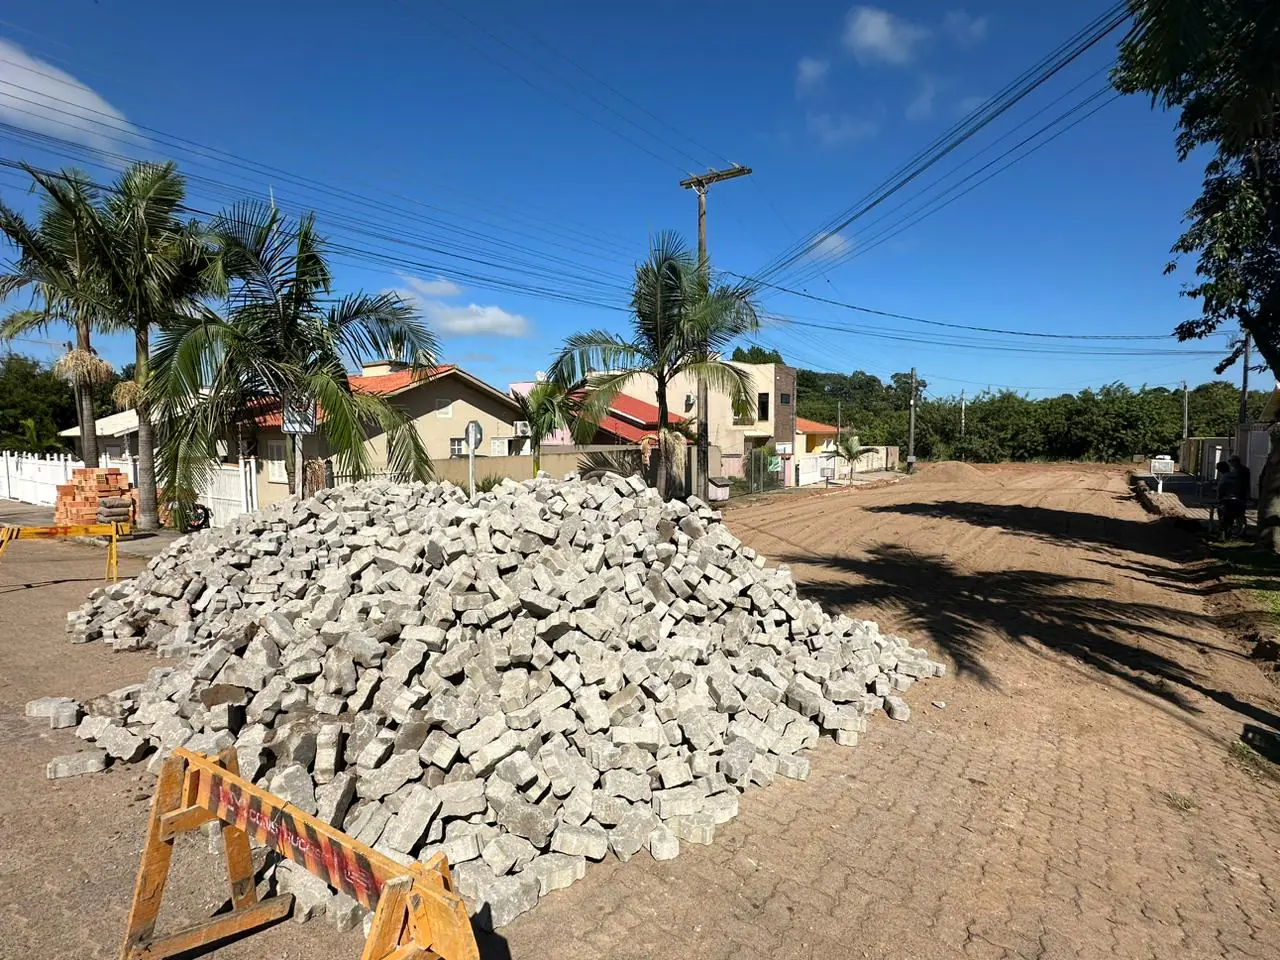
<point>771,419</point>
<point>441,402</point>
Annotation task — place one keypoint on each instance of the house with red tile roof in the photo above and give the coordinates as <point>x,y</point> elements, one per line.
<point>441,401</point>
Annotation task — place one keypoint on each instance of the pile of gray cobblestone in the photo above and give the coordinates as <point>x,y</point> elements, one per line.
<point>553,673</point>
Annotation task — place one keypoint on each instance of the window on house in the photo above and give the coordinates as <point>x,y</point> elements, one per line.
<point>784,399</point>
<point>444,408</point>
<point>498,446</point>
<point>458,447</point>
<point>276,472</point>
<point>762,407</point>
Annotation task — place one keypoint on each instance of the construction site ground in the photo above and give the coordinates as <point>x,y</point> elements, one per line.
<point>1070,790</point>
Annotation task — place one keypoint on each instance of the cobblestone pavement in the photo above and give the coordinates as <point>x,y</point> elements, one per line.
<point>1070,795</point>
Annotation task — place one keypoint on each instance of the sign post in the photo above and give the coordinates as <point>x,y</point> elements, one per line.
<point>298,417</point>
<point>475,434</point>
<point>1161,467</point>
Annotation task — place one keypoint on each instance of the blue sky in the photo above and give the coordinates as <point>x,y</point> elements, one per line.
<point>480,157</point>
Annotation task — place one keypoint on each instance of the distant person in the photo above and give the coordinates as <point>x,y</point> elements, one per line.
<point>1244,479</point>
<point>1231,518</point>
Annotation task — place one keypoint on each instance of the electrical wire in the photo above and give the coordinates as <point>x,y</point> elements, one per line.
<point>1016,91</point>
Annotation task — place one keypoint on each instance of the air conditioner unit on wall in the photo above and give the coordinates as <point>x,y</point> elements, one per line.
<point>522,428</point>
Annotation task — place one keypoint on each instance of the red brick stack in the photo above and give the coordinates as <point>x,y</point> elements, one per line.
<point>78,500</point>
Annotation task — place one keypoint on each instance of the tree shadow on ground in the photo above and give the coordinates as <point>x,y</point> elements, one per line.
<point>1034,609</point>
<point>1056,526</point>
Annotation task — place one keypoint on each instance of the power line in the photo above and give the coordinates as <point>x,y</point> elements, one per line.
<point>858,248</point>
<point>939,323</point>
<point>931,207</point>
<point>1013,93</point>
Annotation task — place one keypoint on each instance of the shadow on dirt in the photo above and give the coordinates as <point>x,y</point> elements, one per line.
<point>957,610</point>
<point>1057,526</point>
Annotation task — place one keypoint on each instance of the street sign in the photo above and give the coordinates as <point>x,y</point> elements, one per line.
<point>298,418</point>
<point>1161,467</point>
<point>475,433</point>
<point>783,448</point>
<point>827,473</point>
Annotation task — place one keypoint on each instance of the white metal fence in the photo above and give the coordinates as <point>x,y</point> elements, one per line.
<point>33,478</point>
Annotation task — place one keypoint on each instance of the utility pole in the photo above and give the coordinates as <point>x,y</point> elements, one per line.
<point>839,420</point>
<point>962,413</point>
<point>1185,429</point>
<point>1244,382</point>
<point>911,427</point>
<point>699,184</point>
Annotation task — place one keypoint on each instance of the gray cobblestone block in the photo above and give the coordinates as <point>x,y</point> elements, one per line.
<point>344,912</point>
<point>588,840</point>
<point>293,784</point>
<point>406,829</point>
<point>678,801</point>
<point>897,708</point>
<point>77,764</point>
<point>608,810</point>
<point>334,799</point>
<point>390,777</point>
<point>626,784</point>
<point>492,753</point>
<point>694,827</point>
<point>846,738</point>
<point>485,730</point>
<point>507,852</point>
<point>462,798</point>
<point>663,844</point>
<point>64,715</point>
<point>439,750</point>
<point>122,744</point>
<point>556,871</point>
<point>527,820</point>
<point>505,898</point>
<point>630,835</point>
<point>517,769</point>
<point>793,767</point>
<point>45,707</point>
<point>674,772</point>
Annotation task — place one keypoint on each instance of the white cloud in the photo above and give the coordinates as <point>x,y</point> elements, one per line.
<point>832,129</point>
<point>457,319</point>
<point>921,108</point>
<point>969,104</point>
<point>810,72</point>
<point>439,287</point>
<point>873,34</point>
<point>474,319</point>
<point>829,247</point>
<point>37,96</point>
<point>965,29</point>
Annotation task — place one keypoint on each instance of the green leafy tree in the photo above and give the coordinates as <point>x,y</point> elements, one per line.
<point>35,403</point>
<point>1217,62</point>
<point>756,354</point>
<point>153,271</point>
<point>54,264</point>
<point>547,407</point>
<point>283,338</point>
<point>680,325</point>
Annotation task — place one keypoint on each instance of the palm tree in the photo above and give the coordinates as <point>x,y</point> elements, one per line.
<point>680,325</point>
<point>547,407</point>
<point>284,339</point>
<point>55,263</point>
<point>154,270</point>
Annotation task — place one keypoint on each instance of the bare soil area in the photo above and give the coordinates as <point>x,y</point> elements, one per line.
<point>1069,791</point>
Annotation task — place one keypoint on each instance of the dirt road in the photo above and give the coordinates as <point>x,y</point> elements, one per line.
<point>1073,798</point>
